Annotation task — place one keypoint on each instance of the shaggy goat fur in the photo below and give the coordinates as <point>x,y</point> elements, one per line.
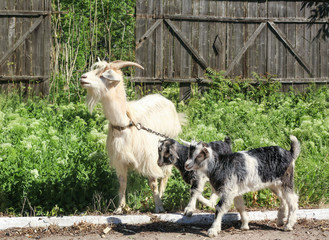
<point>128,147</point>
<point>172,152</point>
<point>232,175</point>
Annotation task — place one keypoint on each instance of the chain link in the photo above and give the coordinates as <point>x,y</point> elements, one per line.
<point>140,126</point>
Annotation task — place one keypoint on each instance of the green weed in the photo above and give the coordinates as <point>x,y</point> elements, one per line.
<point>53,159</point>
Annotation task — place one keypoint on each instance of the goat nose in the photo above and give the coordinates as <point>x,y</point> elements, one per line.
<point>83,76</point>
<point>188,165</point>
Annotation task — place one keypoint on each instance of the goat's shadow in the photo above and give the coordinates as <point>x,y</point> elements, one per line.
<point>166,227</point>
<point>160,227</point>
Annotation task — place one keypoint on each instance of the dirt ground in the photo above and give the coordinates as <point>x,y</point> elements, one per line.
<point>304,229</point>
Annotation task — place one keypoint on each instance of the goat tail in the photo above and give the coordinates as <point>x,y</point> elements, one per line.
<point>295,147</point>
<point>228,140</point>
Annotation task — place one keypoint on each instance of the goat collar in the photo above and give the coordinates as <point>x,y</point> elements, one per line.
<point>120,128</point>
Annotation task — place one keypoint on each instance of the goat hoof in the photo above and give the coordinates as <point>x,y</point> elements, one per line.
<point>188,212</point>
<point>244,228</point>
<point>280,223</point>
<point>159,209</point>
<point>118,211</point>
<point>212,232</point>
<point>288,228</point>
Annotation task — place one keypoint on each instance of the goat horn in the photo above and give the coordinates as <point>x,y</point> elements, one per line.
<point>185,142</point>
<point>121,64</point>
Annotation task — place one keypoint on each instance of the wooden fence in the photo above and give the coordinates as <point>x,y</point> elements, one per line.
<point>25,38</point>
<point>176,40</point>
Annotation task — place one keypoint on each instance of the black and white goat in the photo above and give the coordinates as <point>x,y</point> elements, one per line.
<point>232,175</point>
<point>172,152</point>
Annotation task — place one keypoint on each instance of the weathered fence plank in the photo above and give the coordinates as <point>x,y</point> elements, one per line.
<point>21,39</point>
<point>185,89</point>
<point>270,38</point>
<point>25,49</point>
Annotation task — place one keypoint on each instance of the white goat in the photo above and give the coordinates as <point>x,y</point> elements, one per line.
<point>128,147</point>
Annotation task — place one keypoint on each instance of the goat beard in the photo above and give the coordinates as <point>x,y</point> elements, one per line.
<point>93,97</point>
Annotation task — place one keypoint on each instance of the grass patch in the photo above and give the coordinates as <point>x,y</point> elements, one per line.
<point>53,159</point>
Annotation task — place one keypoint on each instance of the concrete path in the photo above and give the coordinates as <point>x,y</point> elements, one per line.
<point>196,219</point>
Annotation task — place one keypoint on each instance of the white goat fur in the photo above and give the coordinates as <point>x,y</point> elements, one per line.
<point>130,148</point>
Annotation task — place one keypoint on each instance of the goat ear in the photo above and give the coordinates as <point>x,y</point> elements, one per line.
<point>185,142</point>
<point>110,76</point>
<point>121,64</point>
<point>206,152</point>
<point>204,144</point>
<point>160,143</point>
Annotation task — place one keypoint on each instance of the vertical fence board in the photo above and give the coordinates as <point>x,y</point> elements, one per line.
<point>221,9</point>
<point>325,53</point>
<point>19,52</point>
<point>251,55</point>
<point>204,31</point>
<point>177,45</point>
<point>300,41</point>
<point>142,51</point>
<point>46,49</point>
<point>307,39</point>
<point>203,38</point>
<point>314,51</point>
<point>271,44</point>
<point>186,31</point>
<point>262,49</point>
<point>37,48</point>
<point>171,43</point>
<point>167,39</point>
<point>185,88</point>
<point>229,36</point>
<point>195,39</point>
<point>138,35</point>
<point>291,35</point>
<point>282,61</point>
<point>215,11</point>
<point>212,34</point>
<point>3,40</point>
<point>11,39</point>
<point>150,43</point>
<point>159,42</point>
<point>239,32</point>
<point>2,36</point>
<point>324,59</point>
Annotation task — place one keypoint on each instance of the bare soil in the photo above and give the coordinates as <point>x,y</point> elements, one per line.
<point>304,229</point>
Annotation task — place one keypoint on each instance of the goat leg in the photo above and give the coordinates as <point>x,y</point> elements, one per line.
<point>163,182</point>
<point>122,192</point>
<point>197,186</point>
<point>222,207</point>
<point>239,205</point>
<point>283,209</point>
<point>153,182</point>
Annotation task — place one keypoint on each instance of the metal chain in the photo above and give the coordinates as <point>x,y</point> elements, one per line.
<point>140,126</point>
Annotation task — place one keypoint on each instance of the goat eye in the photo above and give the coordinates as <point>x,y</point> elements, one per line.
<point>200,156</point>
